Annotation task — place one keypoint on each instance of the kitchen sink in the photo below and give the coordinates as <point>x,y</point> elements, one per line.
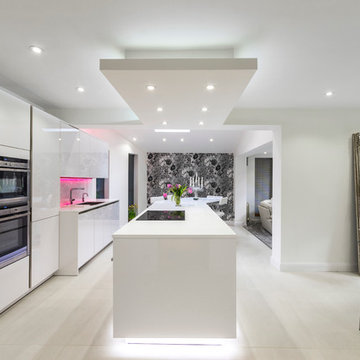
<point>91,203</point>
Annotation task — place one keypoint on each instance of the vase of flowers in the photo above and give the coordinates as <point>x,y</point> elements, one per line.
<point>177,191</point>
<point>165,195</point>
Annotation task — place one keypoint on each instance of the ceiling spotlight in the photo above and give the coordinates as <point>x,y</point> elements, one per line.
<point>204,109</point>
<point>164,139</point>
<point>211,140</point>
<point>78,139</point>
<point>265,152</point>
<point>159,109</point>
<point>150,87</point>
<point>36,50</point>
<point>182,139</point>
<point>134,138</point>
<point>210,87</point>
<point>80,89</point>
<point>59,139</point>
<point>329,93</point>
<point>201,123</point>
<point>164,122</point>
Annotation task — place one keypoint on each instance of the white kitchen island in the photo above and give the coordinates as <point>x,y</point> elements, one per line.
<point>175,279</point>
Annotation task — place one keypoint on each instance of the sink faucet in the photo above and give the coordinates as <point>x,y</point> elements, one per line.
<point>83,196</point>
<point>71,196</point>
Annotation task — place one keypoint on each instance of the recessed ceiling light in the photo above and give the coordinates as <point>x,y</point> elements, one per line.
<point>164,122</point>
<point>150,87</point>
<point>134,138</point>
<point>201,123</point>
<point>159,109</point>
<point>329,93</point>
<point>265,152</point>
<point>211,140</point>
<point>164,139</point>
<point>210,87</point>
<point>78,139</point>
<point>59,139</point>
<point>36,50</point>
<point>80,89</point>
<point>172,130</point>
<point>204,109</point>
<point>182,139</point>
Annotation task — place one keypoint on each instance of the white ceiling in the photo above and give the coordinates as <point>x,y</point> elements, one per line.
<point>303,49</point>
<point>180,88</point>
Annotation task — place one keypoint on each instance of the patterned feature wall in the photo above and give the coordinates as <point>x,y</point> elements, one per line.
<point>216,168</point>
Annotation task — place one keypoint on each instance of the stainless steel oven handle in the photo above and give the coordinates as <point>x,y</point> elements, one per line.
<point>7,218</point>
<point>15,170</point>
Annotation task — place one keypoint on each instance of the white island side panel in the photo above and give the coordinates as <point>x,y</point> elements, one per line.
<point>175,279</point>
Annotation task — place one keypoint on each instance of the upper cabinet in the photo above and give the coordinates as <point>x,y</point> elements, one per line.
<point>69,151</point>
<point>45,165</point>
<point>82,155</point>
<point>14,122</point>
<point>100,155</point>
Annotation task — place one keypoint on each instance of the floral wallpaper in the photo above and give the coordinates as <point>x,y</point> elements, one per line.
<point>216,168</point>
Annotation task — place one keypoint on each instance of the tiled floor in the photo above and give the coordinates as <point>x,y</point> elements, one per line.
<point>288,316</point>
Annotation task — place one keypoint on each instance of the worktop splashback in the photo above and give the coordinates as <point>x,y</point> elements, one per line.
<point>66,184</point>
<point>217,169</point>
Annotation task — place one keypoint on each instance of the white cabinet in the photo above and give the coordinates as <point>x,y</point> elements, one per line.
<point>44,249</point>
<point>45,165</point>
<point>86,159</point>
<point>69,151</point>
<point>100,156</point>
<point>84,234</point>
<point>14,122</point>
<point>86,248</point>
<point>99,228</point>
<point>82,155</point>
<point>14,280</point>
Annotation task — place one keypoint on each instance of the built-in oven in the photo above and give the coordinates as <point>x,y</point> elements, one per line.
<point>14,181</point>
<point>14,237</point>
<point>14,209</point>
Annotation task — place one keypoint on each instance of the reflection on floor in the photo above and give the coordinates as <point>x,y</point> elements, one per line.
<point>257,230</point>
<point>292,316</point>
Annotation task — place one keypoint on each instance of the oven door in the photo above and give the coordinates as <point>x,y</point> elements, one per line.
<point>14,186</point>
<point>14,238</point>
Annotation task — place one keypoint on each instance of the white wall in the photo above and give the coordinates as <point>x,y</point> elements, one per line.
<point>120,148</point>
<point>317,196</point>
<point>248,141</point>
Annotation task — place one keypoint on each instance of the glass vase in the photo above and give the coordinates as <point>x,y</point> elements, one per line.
<point>177,200</point>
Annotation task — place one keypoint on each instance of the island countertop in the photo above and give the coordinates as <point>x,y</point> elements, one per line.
<point>200,221</point>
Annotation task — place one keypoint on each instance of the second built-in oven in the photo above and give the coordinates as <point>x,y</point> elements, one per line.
<point>14,209</point>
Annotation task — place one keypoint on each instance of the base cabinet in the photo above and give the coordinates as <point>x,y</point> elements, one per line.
<point>84,234</point>
<point>14,280</point>
<point>45,249</point>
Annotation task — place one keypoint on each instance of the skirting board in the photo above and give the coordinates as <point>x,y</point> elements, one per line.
<point>314,267</point>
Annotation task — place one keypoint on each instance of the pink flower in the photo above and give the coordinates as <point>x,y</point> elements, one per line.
<point>177,186</point>
<point>190,190</point>
<point>165,195</point>
<point>169,186</point>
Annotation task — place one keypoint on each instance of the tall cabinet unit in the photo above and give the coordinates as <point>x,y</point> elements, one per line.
<point>45,195</point>
<point>14,122</point>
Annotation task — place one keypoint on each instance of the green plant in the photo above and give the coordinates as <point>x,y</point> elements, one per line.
<point>132,210</point>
